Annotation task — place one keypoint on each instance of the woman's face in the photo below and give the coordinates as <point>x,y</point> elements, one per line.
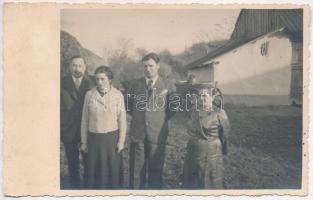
<point>102,82</point>
<point>205,99</point>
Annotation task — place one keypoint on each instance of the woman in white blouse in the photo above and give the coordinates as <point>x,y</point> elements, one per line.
<point>103,132</point>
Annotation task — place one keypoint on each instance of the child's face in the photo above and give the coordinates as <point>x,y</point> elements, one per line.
<point>205,99</point>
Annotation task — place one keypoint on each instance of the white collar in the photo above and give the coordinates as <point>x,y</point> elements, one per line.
<point>153,80</point>
<point>79,79</point>
<point>106,92</point>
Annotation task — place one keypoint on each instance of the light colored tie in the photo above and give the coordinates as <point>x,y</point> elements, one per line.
<point>77,83</point>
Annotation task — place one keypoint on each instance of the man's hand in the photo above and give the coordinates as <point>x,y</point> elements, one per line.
<point>119,147</point>
<point>84,147</point>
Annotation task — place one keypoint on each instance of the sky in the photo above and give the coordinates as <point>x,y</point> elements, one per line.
<point>154,30</point>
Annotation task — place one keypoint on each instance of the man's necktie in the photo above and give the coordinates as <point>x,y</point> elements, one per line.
<point>77,83</point>
<point>149,87</point>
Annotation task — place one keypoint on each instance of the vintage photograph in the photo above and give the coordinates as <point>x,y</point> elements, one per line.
<point>184,99</point>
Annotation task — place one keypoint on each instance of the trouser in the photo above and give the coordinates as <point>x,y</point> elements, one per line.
<point>203,166</point>
<point>104,163</point>
<point>146,165</point>
<point>72,156</point>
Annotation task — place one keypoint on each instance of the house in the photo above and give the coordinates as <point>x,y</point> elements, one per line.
<point>262,62</point>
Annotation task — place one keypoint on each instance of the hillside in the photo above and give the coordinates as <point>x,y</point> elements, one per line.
<point>70,46</point>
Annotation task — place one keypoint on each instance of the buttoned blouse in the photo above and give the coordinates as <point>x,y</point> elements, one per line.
<point>103,114</point>
<point>204,124</point>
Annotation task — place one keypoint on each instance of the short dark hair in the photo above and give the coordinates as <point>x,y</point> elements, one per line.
<point>106,70</point>
<point>152,56</point>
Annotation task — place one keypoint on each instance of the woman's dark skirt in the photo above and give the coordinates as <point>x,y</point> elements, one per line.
<point>104,163</point>
<point>203,166</point>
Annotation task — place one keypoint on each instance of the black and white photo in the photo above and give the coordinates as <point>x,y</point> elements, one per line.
<point>181,99</point>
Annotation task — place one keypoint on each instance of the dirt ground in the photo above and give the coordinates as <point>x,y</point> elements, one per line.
<point>265,149</point>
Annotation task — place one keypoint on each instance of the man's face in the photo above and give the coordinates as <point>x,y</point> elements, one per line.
<point>77,67</point>
<point>103,83</point>
<point>151,68</point>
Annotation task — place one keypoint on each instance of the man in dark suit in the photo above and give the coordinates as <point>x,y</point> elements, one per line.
<point>73,90</point>
<point>147,102</point>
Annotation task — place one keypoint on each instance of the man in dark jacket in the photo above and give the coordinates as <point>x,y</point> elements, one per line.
<point>73,90</point>
<point>147,102</point>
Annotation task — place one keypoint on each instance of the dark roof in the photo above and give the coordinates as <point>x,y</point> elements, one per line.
<point>230,45</point>
<point>292,19</point>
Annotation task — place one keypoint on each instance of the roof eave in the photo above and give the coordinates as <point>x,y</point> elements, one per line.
<point>196,64</point>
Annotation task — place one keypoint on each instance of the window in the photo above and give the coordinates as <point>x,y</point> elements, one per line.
<point>264,48</point>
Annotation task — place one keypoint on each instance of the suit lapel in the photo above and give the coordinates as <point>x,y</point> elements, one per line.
<point>84,85</point>
<point>159,86</point>
<point>143,86</point>
<point>70,87</point>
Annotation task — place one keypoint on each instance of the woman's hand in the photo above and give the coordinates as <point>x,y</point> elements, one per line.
<point>120,146</point>
<point>84,147</point>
